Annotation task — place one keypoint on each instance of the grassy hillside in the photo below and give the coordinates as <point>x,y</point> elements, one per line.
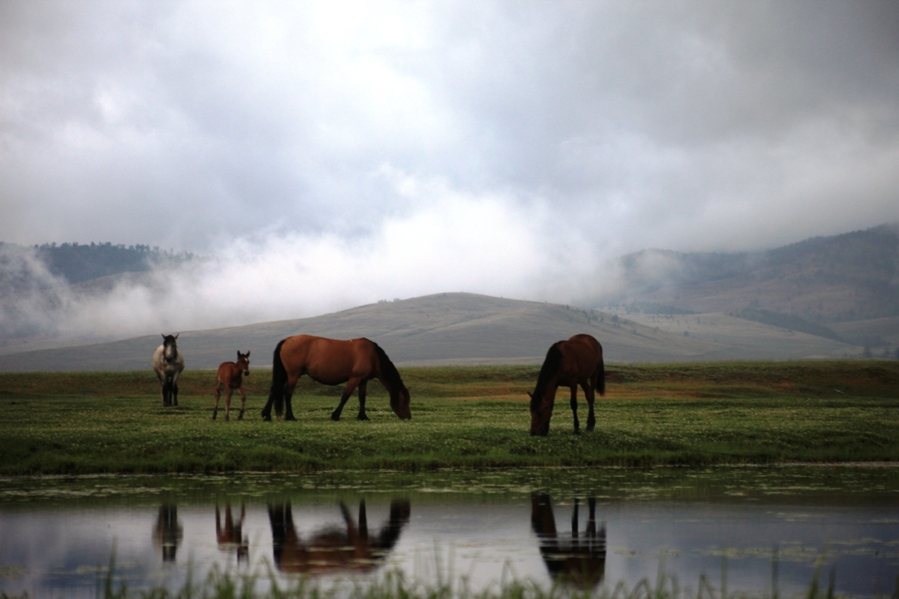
<point>463,417</point>
<point>449,328</point>
<point>841,278</point>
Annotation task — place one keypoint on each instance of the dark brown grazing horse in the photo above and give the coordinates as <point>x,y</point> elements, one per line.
<point>577,361</point>
<point>571,559</point>
<point>230,376</point>
<point>332,362</point>
<point>335,548</point>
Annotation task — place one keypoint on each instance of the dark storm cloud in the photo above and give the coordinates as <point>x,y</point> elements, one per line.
<point>500,147</point>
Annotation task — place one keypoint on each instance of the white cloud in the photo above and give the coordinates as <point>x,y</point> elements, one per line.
<point>526,145</point>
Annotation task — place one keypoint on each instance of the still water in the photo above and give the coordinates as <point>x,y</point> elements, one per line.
<point>749,530</point>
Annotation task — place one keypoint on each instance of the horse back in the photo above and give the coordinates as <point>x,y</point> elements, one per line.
<point>329,361</point>
<point>581,356</point>
<point>230,374</point>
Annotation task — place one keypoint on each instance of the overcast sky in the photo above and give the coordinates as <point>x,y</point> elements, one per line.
<point>331,154</point>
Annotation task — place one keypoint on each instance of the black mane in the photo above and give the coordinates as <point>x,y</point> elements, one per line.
<point>390,376</point>
<point>550,367</point>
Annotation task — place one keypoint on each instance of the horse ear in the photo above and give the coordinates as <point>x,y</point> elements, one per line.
<point>248,353</point>
<point>238,354</point>
<point>163,335</point>
<point>176,335</point>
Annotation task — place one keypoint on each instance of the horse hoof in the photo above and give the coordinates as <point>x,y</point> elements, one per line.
<point>240,416</point>
<point>227,418</point>
<point>290,419</point>
<point>335,417</point>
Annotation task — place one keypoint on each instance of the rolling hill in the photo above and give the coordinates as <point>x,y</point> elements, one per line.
<point>449,328</point>
<point>825,297</point>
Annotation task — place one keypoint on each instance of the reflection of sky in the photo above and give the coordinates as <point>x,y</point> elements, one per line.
<point>46,551</point>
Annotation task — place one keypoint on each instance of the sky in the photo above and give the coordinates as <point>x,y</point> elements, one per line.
<point>324,155</point>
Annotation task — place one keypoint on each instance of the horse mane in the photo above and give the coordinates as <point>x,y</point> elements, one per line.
<point>550,367</point>
<point>390,376</point>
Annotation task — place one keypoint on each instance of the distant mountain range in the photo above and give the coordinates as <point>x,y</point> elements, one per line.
<point>827,297</point>
<point>843,286</point>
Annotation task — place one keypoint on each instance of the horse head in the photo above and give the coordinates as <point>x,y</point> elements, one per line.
<point>541,412</point>
<point>243,362</point>
<point>400,401</point>
<point>170,348</point>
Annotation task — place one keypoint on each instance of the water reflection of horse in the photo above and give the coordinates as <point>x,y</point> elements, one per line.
<point>335,548</point>
<point>168,532</point>
<point>168,363</point>
<point>571,559</point>
<point>332,362</point>
<point>577,361</point>
<point>230,376</point>
<point>229,534</point>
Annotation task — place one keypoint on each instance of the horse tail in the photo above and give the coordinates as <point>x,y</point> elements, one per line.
<point>279,380</point>
<point>600,385</point>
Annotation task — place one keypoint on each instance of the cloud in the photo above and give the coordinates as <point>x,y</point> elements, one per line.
<point>458,243</point>
<point>510,148</point>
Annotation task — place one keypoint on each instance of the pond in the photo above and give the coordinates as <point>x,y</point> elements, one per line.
<point>755,530</point>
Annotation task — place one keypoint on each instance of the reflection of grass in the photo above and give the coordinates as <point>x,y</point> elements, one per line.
<point>393,585</point>
<point>463,417</point>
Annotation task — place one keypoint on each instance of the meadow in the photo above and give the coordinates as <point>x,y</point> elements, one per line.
<point>473,418</point>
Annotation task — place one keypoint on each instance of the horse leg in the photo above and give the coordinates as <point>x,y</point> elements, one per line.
<point>175,390</point>
<point>218,391</point>
<point>577,424</point>
<point>288,393</point>
<point>362,415</point>
<point>591,396</point>
<point>167,393</point>
<point>227,403</point>
<point>350,387</point>
<point>575,520</point>
<point>243,402</point>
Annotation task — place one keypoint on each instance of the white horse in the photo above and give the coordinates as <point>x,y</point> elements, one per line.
<point>168,364</point>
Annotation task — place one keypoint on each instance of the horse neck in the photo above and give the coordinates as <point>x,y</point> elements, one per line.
<point>547,382</point>
<point>393,384</point>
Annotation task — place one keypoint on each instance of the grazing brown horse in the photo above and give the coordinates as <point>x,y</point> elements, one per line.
<point>229,535</point>
<point>571,559</point>
<point>332,362</point>
<point>334,548</point>
<point>577,361</point>
<point>230,376</point>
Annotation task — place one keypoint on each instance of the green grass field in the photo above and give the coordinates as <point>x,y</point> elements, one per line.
<point>463,417</point>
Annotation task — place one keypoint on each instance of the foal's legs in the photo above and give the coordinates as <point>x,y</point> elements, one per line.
<point>577,424</point>
<point>243,402</point>
<point>227,403</point>
<point>350,387</point>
